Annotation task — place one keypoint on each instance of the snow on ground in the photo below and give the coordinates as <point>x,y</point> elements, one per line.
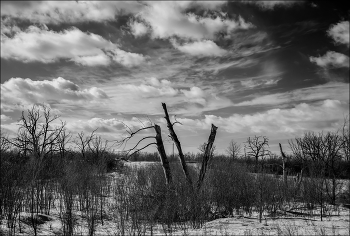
<point>236,225</point>
<point>337,223</point>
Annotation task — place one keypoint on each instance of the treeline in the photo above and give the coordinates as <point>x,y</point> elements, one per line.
<point>45,170</point>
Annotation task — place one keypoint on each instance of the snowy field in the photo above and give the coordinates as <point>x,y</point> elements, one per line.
<point>335,222</point>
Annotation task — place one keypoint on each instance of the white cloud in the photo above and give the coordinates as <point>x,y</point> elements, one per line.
<point>271,5</point>
<point>194,92</point>
<point>201,48</point>
<point>112,125</point>
<point>331,59</point>
<point>18,91</point>
<point>302,117</point>
<point>127,59</point>
<point>252,83</point>
<point>100,59</point>
<point>151,88</point>
<point>168,19</point>
<point>331,90</point>
<point>138,28</point>
<point>68,11</point>
<point>340,32</point>
<point>40,44</point>
<point>147,95</point>
<point>195,95</point>
<point>5,117</point>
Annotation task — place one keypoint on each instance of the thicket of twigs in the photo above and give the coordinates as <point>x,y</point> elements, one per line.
<point>42,174</point>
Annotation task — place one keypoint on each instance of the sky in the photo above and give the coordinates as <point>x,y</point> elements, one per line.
<point>266,68</point>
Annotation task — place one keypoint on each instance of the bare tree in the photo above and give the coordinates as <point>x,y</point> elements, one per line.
<point>208,150</point>
<point>177,143</point>
<point>83,142</point>
<point>323,151</point>
<point>233,150</point>
<point>158,142</point>
<point>203,147</point>
<point>257,148</point>
<point>208,154</point>
<point>38,135</point>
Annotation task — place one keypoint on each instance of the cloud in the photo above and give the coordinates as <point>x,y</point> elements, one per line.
<point>127,59</point>
<point>138,28</point>
<point>168,19</point>
<point>334,66</point>
<point>5,118</point>
<point>100,59</point>
<point>151,88</point>
<point>271,5</point>
<point>327,114</point>
<point>252,83</point>
<point>195,95</point>
<point>340,32</point>
<point>112,125</point>
<point>200,48</point>
<point>18,91</point>
<point>331,90</point>
<point>331,59</point>
<point>146,96</point>
<point>40,44</point>
<point>194,92</point>
<point>57,12</point>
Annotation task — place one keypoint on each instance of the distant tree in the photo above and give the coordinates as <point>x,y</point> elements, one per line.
<point>323,152</point>
<point>38,134</point>
<point>202,147</point>
<point>257,147</point>
<point>233,150</point>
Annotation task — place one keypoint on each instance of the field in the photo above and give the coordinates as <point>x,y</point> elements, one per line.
<point>123,207</point>
<point>53,186</point>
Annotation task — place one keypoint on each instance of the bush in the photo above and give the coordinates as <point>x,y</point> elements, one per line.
<point>229,186</point>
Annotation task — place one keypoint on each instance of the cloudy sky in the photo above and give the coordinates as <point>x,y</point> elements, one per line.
<point>274,68</point>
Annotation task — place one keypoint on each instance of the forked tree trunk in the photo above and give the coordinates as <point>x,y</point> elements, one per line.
<point>163,157</point>
<point>178,145</point>
<point>206,156</point>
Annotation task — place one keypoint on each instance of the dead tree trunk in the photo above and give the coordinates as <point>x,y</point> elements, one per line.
<point>163,157</point>
<point>283,166</point>
<point>206,156</point>
<point>178,145</point>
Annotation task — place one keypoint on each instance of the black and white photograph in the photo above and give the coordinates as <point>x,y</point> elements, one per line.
<point>175,118</point>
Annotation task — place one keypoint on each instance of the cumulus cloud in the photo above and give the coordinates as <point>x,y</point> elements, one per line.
<point>26,91</point>
<point>138,28</point>
<point>340,32</point>
<point>40,44</point>
<point>112,125</point>
<point>5,117</point>
<point>151,88</point>
<point>331,59</point>
<point>334,66</point>
<point>194,92</point>
<point>195,95</point>
<point>200,48</point>
<point>168,19</point>
<point>298,119</point>
<point>57,12</point>
<point>127,59</point>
